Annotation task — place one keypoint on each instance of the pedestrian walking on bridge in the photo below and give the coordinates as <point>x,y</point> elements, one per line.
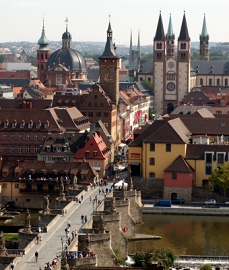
<point>36,256</point>
<point>82,218</point>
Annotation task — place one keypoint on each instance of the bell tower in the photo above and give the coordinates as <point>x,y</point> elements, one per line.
<point>43,54</point>
<point>204,42</point>
<point>170,37</point>
<point>159,58</point>
<point>183,60</point>
<point>109,64</point>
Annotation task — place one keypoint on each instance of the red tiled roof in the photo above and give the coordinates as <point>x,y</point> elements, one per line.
<point>179,165</point>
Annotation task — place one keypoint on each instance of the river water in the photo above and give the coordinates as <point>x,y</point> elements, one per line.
<point>185,235</point>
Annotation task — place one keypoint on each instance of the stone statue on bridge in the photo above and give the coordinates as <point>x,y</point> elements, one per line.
<point>75,181</point>
<point>61,188</point>
<point>2,245</point>
<point>87,244</point>
<point>113,202</point>
<point>46,209</point>
<point>27,226</point>
<point>123,191</point>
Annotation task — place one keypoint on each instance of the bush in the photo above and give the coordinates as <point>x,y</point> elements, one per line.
<point>206,267</point>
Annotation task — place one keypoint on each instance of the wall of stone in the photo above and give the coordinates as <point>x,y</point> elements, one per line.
<point>135,209</point>
<point>123,208</point>
<point>82,262</point>
<point>24,239</point>
<point>185,193</point>
<point>100,245</point>
<point>149,187</point>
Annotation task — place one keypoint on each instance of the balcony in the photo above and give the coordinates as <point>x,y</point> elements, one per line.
<point>49,181</point>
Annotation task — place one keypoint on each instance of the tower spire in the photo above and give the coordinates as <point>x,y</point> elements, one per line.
<point>43,41</point>
<point>131,50</point>
<point>160,34</point>
<point>184,30</point>
<point>204,33</point>
<point>170,33</point>
<point>109,50</point>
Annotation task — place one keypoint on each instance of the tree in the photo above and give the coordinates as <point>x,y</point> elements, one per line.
<point>2,58</point>
<point>220,177</point>
<point>206,267</point>
<point>150,114</point>
<point>195,55</point>
<point>164,257</point>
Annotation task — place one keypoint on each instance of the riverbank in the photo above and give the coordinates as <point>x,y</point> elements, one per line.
<point>185,210</point>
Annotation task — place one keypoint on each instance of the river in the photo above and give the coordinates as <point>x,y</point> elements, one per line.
<point>185,235</point>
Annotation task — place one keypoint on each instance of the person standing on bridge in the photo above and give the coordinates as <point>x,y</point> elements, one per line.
<point>36,256</point>
<point>12,265</point>
<point>82,218</point>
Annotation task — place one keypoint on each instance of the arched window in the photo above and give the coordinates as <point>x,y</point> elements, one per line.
<point>141,79</point>
<point>42,56</point>
<point>149,79</point>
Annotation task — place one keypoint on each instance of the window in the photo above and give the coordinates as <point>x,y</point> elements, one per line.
<point>95,96</point>
<point>159,45</point>
<point>13,125</point>
<point>171,77</point>
<point>183,46</point>
<point>16,186</point>
<point>159,56</point>
<point>5,124</point>
<point>168,147</point>
<point>20,149</point>
<point>12,137</point>
<point>87,153</point>
<point>152,147</point>
<point>201,81</point>
<point>36,137</point>
<point>226,82</point>
<point>95,154</point>
<point>101,104</point>
<point>174,175</point>
<point>98,114</point>
<point>28,137</point>
<point>21,125</point>
<point>12,149</point>
<point>20,137</point>
<point>45,125</point>
<point>83,176</point>
<point>90,114</point>
<point>4,137</point>
<point>220,158</point>
<point>35,149</point>
<point>151,175</point>
<point>208,162</point>
<point>38,125</point>
<point>210,82</point>
<point>183,56</point>
<point>29,125</point>
<point>48,149</point>
<point>218,82</point>
<point>106,114</point>
<point>95,104</point>
<point>4,185</point>
<point>95,164</point>
<point>44,137</point>
<point>28,149</point>
<point>89,104</point>
<point>4,149</point>
<point>152,161</point>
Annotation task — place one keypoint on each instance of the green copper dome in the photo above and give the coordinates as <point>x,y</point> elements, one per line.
<point>43,41</point>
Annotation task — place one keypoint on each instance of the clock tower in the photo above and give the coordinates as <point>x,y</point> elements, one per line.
<point>109,64</point>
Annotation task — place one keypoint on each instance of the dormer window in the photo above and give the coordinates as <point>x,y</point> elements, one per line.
<point>45,125</point>
<point>38,125</point>
<point>5,124</point>
<point>22,124</point>
<point>48,148</point>
<point>30,125</point>
<point>95,154</point>
<point>14,124</point>
<point>87,153</point>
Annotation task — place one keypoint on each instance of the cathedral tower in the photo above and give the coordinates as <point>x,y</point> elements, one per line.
<point>159,58</point>
<point>43,54</point>
<point>204,42</point>
<point>109,64</point>
<point>183,60</point>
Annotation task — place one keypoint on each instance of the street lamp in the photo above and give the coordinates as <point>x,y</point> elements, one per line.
<point>62,242</point>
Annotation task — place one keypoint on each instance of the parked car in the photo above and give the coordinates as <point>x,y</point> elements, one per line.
<point>211,202</point>
<point>227,203</point>
<point>178,201</point>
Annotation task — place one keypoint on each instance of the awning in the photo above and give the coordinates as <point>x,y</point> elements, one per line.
<point>122,145</point>
<point>96,168</point>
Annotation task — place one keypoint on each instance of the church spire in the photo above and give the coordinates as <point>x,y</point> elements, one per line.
<point>139,50</point>
<point>131,50</point>
<point>43,41</point>
<point>204,33</point>
<point>170,33</point>
<point>160,34</point>
<point>109,51</point>
<point>184,30</point>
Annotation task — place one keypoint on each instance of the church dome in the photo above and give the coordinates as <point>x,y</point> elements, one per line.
<point>70,58</point>
<point>66,35</point>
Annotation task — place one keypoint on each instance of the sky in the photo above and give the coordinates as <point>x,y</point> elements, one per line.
<point>21,20</point>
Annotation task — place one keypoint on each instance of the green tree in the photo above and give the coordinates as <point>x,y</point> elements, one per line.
<point>151,114</point>
<point>195,55</point>
<point>220,177</point>
<point>164,257</point>
<point>2,58</point>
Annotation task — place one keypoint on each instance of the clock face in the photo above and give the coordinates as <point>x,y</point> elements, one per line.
<point>171,65</point>
<point>170,86</point>
<point>107,77</point>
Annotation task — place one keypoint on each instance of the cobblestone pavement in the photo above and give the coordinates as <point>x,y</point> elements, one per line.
<point>51,241</point>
